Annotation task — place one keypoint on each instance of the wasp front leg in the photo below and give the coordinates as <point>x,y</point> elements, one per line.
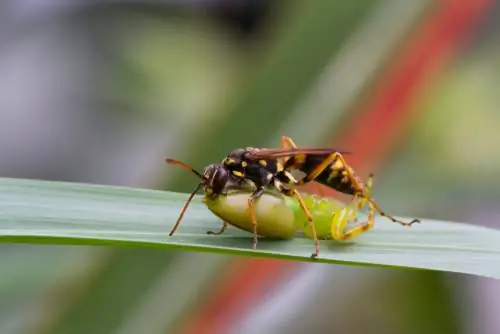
<point>251,211</point>
<point>339,223</point>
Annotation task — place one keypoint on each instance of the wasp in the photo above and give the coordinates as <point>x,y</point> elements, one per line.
<point>260,169</point>
<point>326,166</point>
<point>279,216</point>
<point>216,179</point>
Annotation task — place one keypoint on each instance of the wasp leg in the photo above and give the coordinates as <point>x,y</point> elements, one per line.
<point>294,192</point>
<point>219,232</point>
<point>369,185</point>
<point>374,206</point>
<point>361,202</point>
<point>340,220</point>
<point>286,142</point>
<point>251,211</point>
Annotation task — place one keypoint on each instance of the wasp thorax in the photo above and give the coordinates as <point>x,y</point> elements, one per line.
<point>237,153</point>
<point>239,156</point>
<point>234,158</point>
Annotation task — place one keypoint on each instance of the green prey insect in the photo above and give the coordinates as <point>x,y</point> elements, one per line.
<point>279,216</point>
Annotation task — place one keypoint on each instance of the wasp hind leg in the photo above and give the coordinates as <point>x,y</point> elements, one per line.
<point>219,232</point>
<point>340,220</point>
<point>374,206</point>
<point>367,199</point>
<point>362,201</point>
<point>296,194</point>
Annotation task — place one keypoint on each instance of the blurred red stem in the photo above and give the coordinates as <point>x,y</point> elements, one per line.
<point>379,126</point>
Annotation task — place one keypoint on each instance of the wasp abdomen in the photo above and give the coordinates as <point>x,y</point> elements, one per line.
<point>334,176</point>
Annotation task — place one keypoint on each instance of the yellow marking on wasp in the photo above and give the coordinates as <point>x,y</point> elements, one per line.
<point>244,164</point>
<point>279,167</point>
<point>236,173</point>
<point>332,175</point>
<point>263,163</point>
<point>337,165</point>
<point>299,159</point>
<point>229,161</point>
<point>345,179</point>
<point>290,176</point>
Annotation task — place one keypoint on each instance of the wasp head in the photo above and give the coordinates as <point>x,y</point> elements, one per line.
<point>215,179</point>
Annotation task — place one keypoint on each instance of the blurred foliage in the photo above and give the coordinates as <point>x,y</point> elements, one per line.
<point>451,157</point>
<point>175,79</point>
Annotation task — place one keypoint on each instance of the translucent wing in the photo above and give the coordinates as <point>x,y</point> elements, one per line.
<point>280,152</point>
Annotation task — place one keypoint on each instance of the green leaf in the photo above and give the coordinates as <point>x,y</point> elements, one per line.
<point>34,211</point>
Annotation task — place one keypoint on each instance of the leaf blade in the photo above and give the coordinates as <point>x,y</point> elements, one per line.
<point>33,211</point>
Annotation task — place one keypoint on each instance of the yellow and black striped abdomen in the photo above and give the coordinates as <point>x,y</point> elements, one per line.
<point>336,179</point>
<point>333,176</point>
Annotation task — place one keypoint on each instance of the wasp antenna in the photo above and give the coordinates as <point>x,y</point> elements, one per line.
<point>184,165</point>
<point>184,209</point>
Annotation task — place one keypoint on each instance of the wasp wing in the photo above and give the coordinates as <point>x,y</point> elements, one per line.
<point>280,152</point>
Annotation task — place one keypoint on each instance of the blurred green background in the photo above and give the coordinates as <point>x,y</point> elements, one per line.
<point>101,92</point>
